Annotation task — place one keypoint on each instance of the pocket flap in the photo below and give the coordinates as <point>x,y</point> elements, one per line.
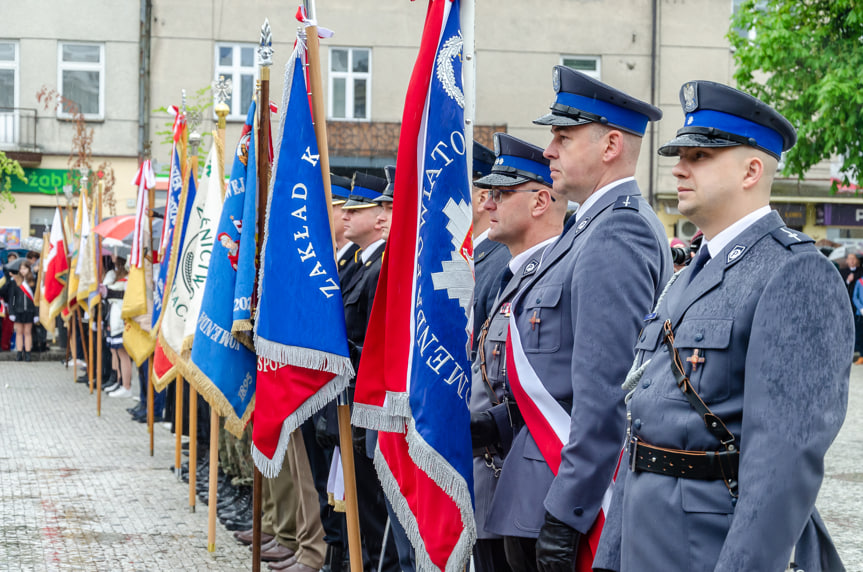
<point>704,333</point>
<point>649,336</point>
<point>547,296</point>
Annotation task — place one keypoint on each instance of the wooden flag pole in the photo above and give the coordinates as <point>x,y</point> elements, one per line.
<point>344,412</point>
<point>178,425</point>
<point>99,340</point>
<point>265,59</point>
<point>194,142</point>
<point>151,403</point>
<point>222,90</point>
<point>193,447</point>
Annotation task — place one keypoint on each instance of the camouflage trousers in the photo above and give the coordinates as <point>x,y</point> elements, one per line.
<point>235,456</point>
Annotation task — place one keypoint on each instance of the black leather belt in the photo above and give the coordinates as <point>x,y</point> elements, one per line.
<point>705,465</point>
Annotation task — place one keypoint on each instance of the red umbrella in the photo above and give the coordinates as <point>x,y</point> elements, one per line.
<point>118,227</point>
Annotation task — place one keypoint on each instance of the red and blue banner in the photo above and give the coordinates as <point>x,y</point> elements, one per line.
<point>303,362</point>
<point>414,372</point>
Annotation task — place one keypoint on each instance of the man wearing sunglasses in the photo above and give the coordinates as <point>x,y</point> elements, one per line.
<point>572,328</point>
<point>524,216</point>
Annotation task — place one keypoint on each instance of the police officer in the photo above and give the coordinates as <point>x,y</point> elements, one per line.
<point>347,253</point>
<point>741,374</point>
<point>571,326</point>
<point>489,256</point>
<point>524,216</point>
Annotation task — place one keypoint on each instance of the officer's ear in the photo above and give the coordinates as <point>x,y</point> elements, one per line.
<point>754,172</point>
<point>614,143</point>
<point>542,201</point>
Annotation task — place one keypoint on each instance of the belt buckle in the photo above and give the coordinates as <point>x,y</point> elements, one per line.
<point>633,448</point>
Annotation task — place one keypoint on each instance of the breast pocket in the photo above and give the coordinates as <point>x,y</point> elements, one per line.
<point>702,344</point>
<point>542,318</point>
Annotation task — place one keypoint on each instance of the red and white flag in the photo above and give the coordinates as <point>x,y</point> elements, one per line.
<point>56,268</point>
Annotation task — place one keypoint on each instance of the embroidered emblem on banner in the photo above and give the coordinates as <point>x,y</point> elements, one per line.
<point>444,69</point>
<point>456,276</point>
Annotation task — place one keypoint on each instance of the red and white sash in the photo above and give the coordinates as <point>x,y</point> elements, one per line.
<point>27,291</point>
<point>549,425</point>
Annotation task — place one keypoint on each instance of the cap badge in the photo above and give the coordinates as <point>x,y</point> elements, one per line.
<point>690,97</point>
<point>555,80</point>
<point>582,225</point>
<point>531,266</point>
<point>735,253</point>
<point>496,145</point>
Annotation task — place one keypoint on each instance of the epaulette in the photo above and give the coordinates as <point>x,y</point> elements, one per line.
<point>626,202</point>
<point>790,238</point>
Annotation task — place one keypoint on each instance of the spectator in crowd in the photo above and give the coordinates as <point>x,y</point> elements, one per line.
<point>114,289</point>
<point>22,309</point>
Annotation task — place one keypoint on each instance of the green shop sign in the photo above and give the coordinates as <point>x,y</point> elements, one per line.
<point>44,181</point>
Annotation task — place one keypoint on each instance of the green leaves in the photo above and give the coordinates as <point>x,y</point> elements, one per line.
<point>804,57</point>
<point>8,168</point>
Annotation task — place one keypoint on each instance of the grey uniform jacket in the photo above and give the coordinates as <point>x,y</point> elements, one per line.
<point>590,293</point>
<point>769,315</point>
<point>484,478</point>
<point>489,260</point>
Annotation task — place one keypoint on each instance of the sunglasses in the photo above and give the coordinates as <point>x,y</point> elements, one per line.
<point>497,194</point>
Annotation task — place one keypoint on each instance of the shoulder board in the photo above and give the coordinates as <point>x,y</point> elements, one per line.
<point>790,238</point>
<point>626,202</point>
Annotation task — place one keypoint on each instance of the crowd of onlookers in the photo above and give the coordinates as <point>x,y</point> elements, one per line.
<point>20,329</point>
<point>852,274</point>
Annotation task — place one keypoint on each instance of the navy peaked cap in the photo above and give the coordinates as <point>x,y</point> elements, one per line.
<point>389,191</point>
<point>582,99</point>
<point>516,162</point>
<point>340,189</point>
<point>720,116</point>
<point>365,189</point>
<point>483,159</point>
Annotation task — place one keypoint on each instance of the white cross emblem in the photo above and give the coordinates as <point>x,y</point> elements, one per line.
<point>626,202</point>
<point>790,234</point>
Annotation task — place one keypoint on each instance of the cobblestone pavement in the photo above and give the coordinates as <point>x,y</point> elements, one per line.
<point>80,492</point>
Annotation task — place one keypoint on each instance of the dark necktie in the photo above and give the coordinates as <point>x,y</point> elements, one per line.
<point>700,260</point>
<point>505,277</point>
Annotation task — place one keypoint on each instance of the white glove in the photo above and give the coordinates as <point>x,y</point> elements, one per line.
<point>12,318</point>
<point>36,320</point>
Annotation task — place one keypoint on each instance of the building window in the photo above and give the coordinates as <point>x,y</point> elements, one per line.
<point>8,92</point>
<point>350,86</point>
<point>588,65</point>
<point>81,77</point>
<point>236,62</point>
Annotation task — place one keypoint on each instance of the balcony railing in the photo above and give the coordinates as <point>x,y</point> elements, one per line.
<point>17,128</point>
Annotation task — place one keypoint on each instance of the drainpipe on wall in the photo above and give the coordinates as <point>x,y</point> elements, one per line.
<point>651,196</point>
<point>144,79</point>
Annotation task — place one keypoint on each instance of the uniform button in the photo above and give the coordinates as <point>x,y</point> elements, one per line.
<point>538,300</point>
<point>475,368</point>
<point>578,511</point>
<point>645,384</point>
<point>637,423</point>
<point>699,336</point>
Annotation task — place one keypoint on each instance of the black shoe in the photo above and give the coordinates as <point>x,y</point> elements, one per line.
<point>238,524</point>
<point>83,379</point>
<point>26,356</point>
<point>20,356</point>
<point>137,410</point>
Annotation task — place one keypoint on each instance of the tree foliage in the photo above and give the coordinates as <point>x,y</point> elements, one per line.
<point>805,57</point>
<point>8,168</point>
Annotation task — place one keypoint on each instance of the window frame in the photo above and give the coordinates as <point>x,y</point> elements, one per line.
<point>349,76</point>
<point>234,72</point>
<point>81,66</point>
<point>597,59</point>
<point>15,66</point>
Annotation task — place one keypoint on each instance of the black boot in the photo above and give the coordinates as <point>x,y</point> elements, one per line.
<point>20,356</point>
<point>26,356</point>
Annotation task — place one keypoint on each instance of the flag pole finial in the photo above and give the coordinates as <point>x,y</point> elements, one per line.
<point>265,49</point>
<point>194,142</point>
<point>222,91</point>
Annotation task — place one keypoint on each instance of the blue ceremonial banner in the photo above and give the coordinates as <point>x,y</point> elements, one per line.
<point>223,368</point>
<point>172,208</point>
<point>242,314</point>
<point>299,279</point>
<point>423,298</point>
<point>440,372</point>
